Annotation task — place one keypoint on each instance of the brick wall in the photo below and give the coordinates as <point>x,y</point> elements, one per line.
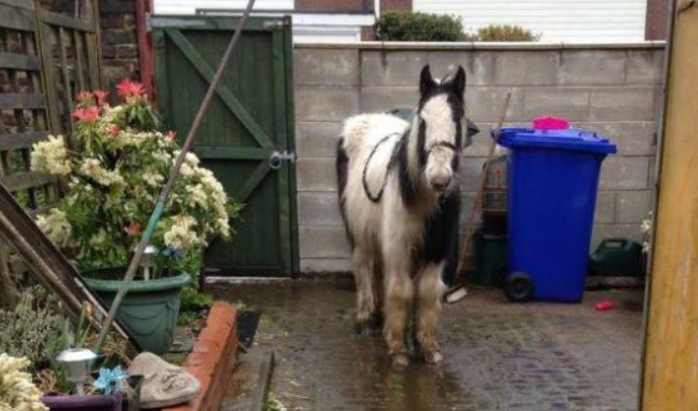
<point>119,42</point>
<point>614,91</point>
<point>334,6</point>
<point>396,5</point>
<point>657,18</point>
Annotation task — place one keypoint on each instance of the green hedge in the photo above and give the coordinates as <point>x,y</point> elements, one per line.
<point>505,33</point>
<point>416,26</point>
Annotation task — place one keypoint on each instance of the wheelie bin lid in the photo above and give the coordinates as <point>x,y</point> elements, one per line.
<point>555,133</point>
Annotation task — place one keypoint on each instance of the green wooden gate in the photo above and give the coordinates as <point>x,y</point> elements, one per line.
<point>246,138</point>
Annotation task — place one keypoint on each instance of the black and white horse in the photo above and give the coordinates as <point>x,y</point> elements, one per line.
<point>399,197</point>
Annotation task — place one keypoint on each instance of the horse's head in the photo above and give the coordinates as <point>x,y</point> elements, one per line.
<point>440,137</point>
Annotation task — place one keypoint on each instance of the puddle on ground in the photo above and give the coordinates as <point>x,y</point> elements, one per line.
<point>499,356</point>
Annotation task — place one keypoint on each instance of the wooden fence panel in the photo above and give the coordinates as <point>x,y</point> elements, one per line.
<point>71,58</point>
<point>45,59</point>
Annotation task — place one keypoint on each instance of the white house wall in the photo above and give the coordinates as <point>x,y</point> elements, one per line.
<point>557,20</point>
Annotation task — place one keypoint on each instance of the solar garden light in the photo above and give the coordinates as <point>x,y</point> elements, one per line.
<point>148,260</point>
<point>77,363</point>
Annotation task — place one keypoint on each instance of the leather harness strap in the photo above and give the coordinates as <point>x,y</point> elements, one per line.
<point>378,196</point>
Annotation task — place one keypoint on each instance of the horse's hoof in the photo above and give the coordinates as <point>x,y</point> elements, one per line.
<point>433,357</point>
<point>399,360</point>
<point>363,328</point>
<point>375,322</point>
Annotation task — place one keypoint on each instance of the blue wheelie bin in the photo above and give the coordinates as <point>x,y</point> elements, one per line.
<point>553,180</point>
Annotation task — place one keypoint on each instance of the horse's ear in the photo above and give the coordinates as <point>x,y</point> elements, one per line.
<point>457,82</point>
<point>426,82</point>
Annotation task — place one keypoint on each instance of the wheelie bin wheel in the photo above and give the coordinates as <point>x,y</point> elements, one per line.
<point>518,287</point>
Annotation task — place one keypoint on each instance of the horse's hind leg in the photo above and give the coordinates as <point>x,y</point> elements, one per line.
<point>430,288</point>
<point>365,299</point>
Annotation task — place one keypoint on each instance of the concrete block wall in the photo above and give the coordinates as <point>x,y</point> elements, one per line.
<point>612,89</point>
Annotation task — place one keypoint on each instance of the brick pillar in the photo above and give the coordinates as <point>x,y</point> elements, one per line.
<point>657,18</point>
<point>396,5</point>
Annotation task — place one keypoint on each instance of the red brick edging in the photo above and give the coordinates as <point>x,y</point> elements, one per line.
<point>212,358</point>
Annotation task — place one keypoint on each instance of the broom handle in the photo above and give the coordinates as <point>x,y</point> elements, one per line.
<point>477,204</point>
<point>160,207</point>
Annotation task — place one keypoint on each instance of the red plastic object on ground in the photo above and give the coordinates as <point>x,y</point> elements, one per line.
<point>604,306</point>
<point>550,123</point>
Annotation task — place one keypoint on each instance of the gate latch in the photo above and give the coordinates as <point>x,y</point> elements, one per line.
<point>277,158</point>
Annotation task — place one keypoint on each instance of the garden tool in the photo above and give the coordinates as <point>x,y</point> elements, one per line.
<point>458,292</point>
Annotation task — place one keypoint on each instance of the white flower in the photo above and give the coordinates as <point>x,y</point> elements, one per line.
<point>197,195</point>
<point>93,168</point>
<point>181,235</point>
<point>17,392</point>
<point>186,170</point>
<point>190,158</point>
<point>110,114</point>
<point>223,227</point>
<point>51,156</point>
<point>56,226</point>
<point>153,179</point>
<point>162,157</point>
<point>99,238</point>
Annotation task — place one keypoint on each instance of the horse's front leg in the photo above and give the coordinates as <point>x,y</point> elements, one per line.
<point>399,294</point>
<point>430,288</point>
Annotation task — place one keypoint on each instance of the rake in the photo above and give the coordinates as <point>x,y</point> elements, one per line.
<point>458,292</point>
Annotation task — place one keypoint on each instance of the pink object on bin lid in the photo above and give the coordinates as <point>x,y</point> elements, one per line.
<point>550,123</point>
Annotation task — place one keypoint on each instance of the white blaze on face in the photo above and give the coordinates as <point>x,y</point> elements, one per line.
<point>440,128</point>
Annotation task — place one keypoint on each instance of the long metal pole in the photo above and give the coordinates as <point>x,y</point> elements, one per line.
<point>159,208</point>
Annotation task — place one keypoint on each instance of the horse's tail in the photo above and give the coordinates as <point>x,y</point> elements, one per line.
<point>342,167</point>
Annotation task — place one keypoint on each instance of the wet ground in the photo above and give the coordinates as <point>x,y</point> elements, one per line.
<point>499,356</point>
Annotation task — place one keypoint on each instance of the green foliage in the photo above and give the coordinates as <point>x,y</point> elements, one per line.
<point>193,299</point>
<point>274,404</point>
<point>416,26</point>
<point>505,33</point>
<point>34,329</point>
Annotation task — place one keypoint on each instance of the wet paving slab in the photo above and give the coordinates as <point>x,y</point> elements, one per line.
<point>499,356</point>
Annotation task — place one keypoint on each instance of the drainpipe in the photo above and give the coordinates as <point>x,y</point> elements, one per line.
<point>144,8</point>
<point>377,8</point>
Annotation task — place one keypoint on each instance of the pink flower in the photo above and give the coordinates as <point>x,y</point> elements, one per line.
<point>172,135</point>
<point>128,88</point>
<point>101,97</point>
<point>89,114</point>
<point>84,97</point>
<point>133,228</point>
<point>113,130</point>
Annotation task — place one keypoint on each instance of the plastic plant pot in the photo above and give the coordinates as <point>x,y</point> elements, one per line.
<point>150,308</point>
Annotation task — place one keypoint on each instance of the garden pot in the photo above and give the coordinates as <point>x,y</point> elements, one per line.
<point>149,309</point>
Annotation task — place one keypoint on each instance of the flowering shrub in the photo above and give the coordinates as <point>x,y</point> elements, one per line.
<point>114,165</point>
<point>17,392</point>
